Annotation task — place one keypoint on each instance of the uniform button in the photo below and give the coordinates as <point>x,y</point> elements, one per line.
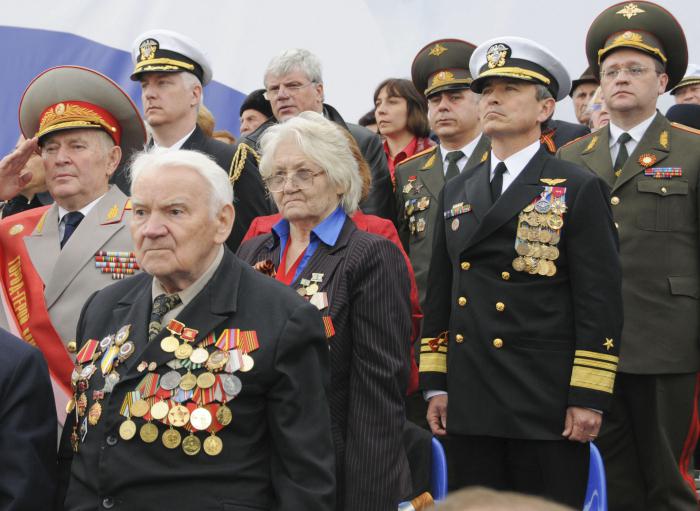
<point>498,343</point>
<point>500,306</point>
<point>72,346</point>
<point>617,226</point>
<point>459,338</point>
<point>615,201</point>
<point>112,440</point>
<point>664,189</point>
<point>465,265</point>
<point>505,275</point>
<point>108,503</point>
<point>462,301</point>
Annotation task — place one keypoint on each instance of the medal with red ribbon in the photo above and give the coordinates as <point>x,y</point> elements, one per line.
<point>87,352</point>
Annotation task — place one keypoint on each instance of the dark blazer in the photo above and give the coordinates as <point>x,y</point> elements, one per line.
<point>277,451</point>
<point>516,340</point>
<point>367,285</point>
<point>27,428</point>
<point>659,244</point>
<point>249,195</point>
<point>380,201</point>
<point>557,133</point>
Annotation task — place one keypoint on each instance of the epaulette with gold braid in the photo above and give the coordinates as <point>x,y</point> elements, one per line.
<point>685,128</point>
<point>424,151</point>
<point>582,137</point>
<point>238,161</point>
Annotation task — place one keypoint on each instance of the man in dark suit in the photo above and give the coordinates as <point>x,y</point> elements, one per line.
<point>173,70</point>
<point>164,354</point>
<point>524,292</point>
<point>294,84</point>
<point>27,428</point>
<point>648,437</point>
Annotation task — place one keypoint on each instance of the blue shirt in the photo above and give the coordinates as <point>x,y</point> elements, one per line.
<point>327,231</point>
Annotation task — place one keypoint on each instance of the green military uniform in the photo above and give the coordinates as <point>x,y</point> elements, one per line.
<point>652,427</point>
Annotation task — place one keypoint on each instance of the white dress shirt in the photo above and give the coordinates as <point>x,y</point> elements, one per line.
<point>467,150</point>
<point>515,164</point>
<point>177,145</point>
<point>63,212</point>
<point>636,133</point>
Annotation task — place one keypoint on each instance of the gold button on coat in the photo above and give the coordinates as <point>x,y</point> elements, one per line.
<point>459,338</point>
<point>664,189</point>
<point>505,275</point>
<point>615,201</point>
<point>497,343</point>
<point>462,301</point>
<point>500,306</point>
<point>465,265</point>
<point>72,346</point>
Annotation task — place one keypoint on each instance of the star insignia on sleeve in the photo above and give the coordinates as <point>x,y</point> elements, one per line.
<point>608,344</point>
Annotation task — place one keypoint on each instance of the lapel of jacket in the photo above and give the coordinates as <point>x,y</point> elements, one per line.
<point>656,141</point>
<point>478,190</point>
<point>431,174</point>
<point>87,239</point>
<point>480,153</point>
<point>43,245</point>
<point>194,140</point>
<point>326,259</point>
<point>211,307</point>
<point>596,155</point>
<point>514,199</point>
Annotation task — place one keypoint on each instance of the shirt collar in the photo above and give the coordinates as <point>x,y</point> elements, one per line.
<point>328,230</point>
<point>515,163</point>
<point>177,145</point>
<point>467,150</point>
<point>188,294</point>
<point>84,210</point>
<point>636,133</point>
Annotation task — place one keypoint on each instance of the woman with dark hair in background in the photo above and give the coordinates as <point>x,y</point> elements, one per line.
<point>402,119</point>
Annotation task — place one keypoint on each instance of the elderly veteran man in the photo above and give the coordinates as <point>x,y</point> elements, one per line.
<point>294,84</point>
<point>55,257</point>
<point>687,91</point>
<point>191,398</point>
<point>582,91</point>
<point>653,167</point>
<point>173,71</point>
<point>524,292</point>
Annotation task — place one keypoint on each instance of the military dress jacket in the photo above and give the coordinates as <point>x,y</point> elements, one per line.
<point>365,281</point>
<point>523,312</point>
<point>276,451</point>
<point>419,181</point>
<point>655,204</point>
<point>249,195</point>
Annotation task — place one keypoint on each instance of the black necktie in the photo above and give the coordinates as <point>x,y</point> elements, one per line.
<point>622,152</point>
<point>497,181</point>
<point>452,169</point>
<point>161,306</point>
<point>71,222</point>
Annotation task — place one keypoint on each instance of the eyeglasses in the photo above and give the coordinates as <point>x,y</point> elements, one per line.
<point>301,180</point>
<point>632,71</point>
<point>292,89</point>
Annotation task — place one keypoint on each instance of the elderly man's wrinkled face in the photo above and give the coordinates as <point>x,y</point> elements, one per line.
<point>78,165</point>
<point>175,236</point>
<point>690,94</point>
<point>581,96</point>
<point>251,119</point>
<point>293,93</point>
<point>307,195</point>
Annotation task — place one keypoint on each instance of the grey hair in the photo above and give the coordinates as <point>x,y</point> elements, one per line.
<point>191,81</point>
<point>221,192</point>
<point>542,92</point>
<point>324,143</point>
<point>295,59</point>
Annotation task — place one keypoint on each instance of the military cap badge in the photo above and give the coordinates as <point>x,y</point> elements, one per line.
<point>147,49</point>
<point>497,54</point>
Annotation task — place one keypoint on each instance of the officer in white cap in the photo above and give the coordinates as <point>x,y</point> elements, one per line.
<point>688,89</point>
<point>173,69</point>
<point>523,291</point>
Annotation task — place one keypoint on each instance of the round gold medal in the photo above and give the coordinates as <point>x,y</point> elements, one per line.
<point>301,291</point>
<point>171,438</point>
<point>178,416</point>
<point>206,380</point>
<point>159,410</point>
<point>544,236</point>
<point>200,419</point>
<point>553,253</point>
<point>522,248</point>
<point>213,445</point>
<point>455,224</point>
<point>127,429</point>
<point>191,445</point>
<point>542,268</point>
<point>188,381</point>
<point>312,289</point>
<point>183,351</point>
<point>555,222</point>
<point>224,415</point>
<point>149,432</point>
<point>199,356</point>
<point>247,363</point>
<point>140,408</point>
<point>529,208</point>
<point>169,344</point>
<point>552,269</point>
<point>217,360</point>
<point>519,264</point>
<point>523,231</point>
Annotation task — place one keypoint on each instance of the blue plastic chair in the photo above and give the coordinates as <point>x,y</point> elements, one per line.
<point>438,471</point>
<point>596,492</point>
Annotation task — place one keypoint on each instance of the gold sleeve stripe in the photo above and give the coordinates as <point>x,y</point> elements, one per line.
<point>597,356</point>
<point>432,363</point>
<point>594,379</point>
<point>425,340</point>
<point>595,363</point>
<point>428,349</point>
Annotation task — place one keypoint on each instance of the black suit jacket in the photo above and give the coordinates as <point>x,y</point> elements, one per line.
<point>27,428</point>
<point>277,451</point>
<point>366,281</point>
<point>510,367</point>
<point>380,201</point>
<point>557,133</point>
<point>249,195</point>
